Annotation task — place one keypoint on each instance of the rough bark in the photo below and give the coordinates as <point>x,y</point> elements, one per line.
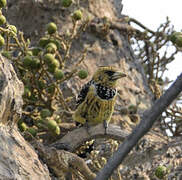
<point>74,139</point>
<point>11,90</point>
<point>18,160</point>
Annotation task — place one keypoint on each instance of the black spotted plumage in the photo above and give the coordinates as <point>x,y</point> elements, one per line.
<point>83,93</point>
<point>105,92</point>
<point>102,91</point>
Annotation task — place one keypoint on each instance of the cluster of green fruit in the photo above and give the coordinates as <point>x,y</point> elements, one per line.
<point>11,28</point>
<point>43,60</point>
<point>42,69</point>
<point>31,63</point>
<point>44,122</point>
<point>45,54</point>
<point>77,15</point>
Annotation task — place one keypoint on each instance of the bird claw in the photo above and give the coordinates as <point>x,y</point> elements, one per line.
<point>87,127</point>
<point>105,124</point>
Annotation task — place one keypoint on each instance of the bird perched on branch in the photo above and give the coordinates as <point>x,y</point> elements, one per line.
<point>95,103</point>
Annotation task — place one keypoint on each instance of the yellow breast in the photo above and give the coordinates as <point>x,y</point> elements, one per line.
<point>94,110</point>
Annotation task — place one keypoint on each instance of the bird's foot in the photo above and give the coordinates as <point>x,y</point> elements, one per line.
<point>105,124</point>
<point>87,127</point>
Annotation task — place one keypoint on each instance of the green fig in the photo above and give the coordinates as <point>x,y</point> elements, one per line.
<point>58,74</point>
<point>51,28</point>
<point>77,15</point>
<point>45,113</point>
<point>66,3</point>
<point>82,74</point>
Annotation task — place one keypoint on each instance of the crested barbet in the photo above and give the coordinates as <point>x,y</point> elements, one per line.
<point>95,103</point>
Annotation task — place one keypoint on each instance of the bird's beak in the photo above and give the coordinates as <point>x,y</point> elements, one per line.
<point>118,75</point>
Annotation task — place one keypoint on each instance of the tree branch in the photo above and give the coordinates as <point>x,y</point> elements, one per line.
<point>77,137</point>
<point>141,25</point>
<point>148,119</point>
<point>63,161</point>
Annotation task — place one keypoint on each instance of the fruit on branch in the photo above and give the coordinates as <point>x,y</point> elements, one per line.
<point>58,74</point>
<point>77,15</point>
<point>1,41</point>
<point>3,3</point>
<point>66,3</point>
<point>82,74</point>
<point>45,113</point>
<point>51,28</point>
<point>2,19</point>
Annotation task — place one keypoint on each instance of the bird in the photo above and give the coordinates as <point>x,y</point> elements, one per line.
<point>96,100</point>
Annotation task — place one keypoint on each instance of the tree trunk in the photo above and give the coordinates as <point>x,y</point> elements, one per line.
<point>18,160</point>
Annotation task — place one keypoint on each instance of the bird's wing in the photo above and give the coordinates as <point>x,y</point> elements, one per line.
<point>83,93</point>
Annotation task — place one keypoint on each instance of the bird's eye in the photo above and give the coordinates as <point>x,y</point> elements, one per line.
<point>110,73</point>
